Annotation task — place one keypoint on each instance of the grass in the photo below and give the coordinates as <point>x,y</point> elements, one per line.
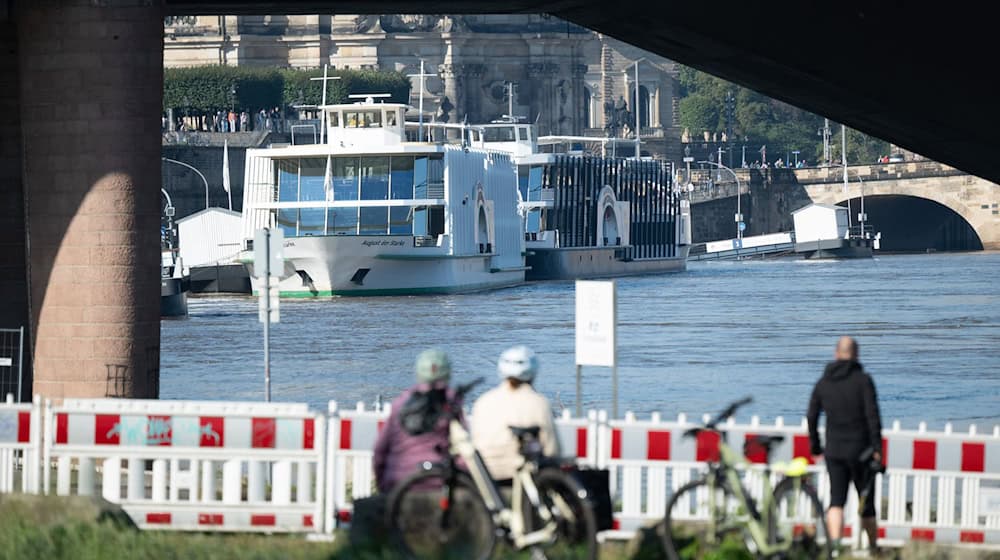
<point>30,532</point>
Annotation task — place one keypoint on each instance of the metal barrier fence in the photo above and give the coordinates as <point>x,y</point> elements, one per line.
<point>11,361</point>
<point>221,466</point>
<point>200,455</point>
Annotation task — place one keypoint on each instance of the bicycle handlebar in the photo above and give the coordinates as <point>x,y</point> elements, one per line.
<point>722,416</point>
<point>461,390</point>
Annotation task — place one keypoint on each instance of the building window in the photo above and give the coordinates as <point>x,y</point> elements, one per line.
<point>588,114</point>
<point>645,106</point>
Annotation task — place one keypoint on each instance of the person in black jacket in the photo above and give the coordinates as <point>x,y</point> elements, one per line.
<point>853,426</point>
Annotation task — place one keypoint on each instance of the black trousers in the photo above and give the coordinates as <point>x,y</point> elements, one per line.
<point>843,472</point>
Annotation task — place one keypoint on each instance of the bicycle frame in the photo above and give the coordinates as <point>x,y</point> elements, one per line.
<point>759,521</point>
<point>511,518</point>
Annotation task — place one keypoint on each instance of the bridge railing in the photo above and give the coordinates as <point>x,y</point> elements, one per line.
<point>216,466</point>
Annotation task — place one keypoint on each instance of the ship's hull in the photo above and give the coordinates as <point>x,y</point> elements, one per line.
<point>835,249</point>
<point>596,262</point>
<point>173,297</point>
<point>382,265</point>
<point>220,279</point>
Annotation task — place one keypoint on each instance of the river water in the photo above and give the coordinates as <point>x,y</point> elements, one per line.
<point>928,326</point>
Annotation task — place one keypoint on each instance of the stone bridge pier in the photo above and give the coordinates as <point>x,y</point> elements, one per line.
<point>80,104</point>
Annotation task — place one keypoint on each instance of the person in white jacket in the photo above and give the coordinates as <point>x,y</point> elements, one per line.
<point>513,403</point>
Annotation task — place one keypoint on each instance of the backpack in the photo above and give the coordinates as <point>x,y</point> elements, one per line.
<point>421,412</point>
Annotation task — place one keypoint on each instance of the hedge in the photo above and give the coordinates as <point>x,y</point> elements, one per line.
<point>210,88</point>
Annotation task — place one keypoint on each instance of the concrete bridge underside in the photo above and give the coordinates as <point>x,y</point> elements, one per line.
<point>80,99</point>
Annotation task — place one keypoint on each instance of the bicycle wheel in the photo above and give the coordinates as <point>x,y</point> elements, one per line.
<point>700,522</point>
<point>576,528</point>
<point>800,520</point>
<point>435,516</point>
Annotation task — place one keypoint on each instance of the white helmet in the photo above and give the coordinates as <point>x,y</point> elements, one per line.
<point>518,363</point>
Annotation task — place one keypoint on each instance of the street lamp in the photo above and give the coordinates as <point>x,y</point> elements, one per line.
<point>739,191</point>
<point>192,168</point>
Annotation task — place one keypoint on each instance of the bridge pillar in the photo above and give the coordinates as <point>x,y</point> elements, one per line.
<point>91,76</point>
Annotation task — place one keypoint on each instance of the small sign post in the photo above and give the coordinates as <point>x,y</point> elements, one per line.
<point>269,262</point>
<point>596,326</point>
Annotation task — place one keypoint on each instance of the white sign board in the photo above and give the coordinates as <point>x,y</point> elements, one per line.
<point>6,362</point>
<point>261,239</point>
<point>989,501</point>
<point>595,323</point>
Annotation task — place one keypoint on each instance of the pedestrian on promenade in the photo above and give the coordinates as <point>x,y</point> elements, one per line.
<point>512,403</point>
<point>853,434</point>
<point>244,121</point>
<point>232,121</point>
<point>417,428</point>
<point>259,120</point>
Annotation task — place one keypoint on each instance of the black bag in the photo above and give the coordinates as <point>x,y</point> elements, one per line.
<point>420,412</point>
<point>597,483</point>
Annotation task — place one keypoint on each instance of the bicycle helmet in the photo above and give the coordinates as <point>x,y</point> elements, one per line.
<point>518,363</point>
<point>433,365</point>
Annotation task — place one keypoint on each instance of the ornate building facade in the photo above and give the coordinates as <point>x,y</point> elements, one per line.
<point>567,79</point>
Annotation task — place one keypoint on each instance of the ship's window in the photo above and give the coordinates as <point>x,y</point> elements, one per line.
<point>522,133</point>
<point>374,221</point>
<point>311,221</point>
<point>363,119</point>
<point>435,177</point>
<point>345,178</point>
<point>400,220</point>
<point>533,221</point>
<point>401,181</point>
<point>522,180</point>
<point>288,180</point>
<point>475,136</point>
<point>498,134</point>
<point>435,221</point>
<point>342,221</point>
<point>390,118</point>
<point>312,173</point>
<point>535,183</point>
<point>420,177</point>
<point>287,219</point>
<point>420,221</point>
<point>374,178</point>
<point>334,118</point>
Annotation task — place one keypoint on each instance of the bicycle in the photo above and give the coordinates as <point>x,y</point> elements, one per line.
<point>445,511</point>
<point>789,523</point>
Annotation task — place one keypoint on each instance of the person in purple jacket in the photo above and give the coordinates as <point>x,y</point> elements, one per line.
<point>416,430</point>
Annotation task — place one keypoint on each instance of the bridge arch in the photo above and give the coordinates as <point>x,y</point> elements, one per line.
<point>952,213</point>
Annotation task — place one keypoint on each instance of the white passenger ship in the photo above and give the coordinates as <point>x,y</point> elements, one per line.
<point>589,216</point>
<point>367,212</point>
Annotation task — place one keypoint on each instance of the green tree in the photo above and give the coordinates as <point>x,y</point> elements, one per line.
<point>211,88</point>
<point>760,121</point>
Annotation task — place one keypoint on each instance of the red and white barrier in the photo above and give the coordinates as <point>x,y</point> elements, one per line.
<point>201,453</point>
<point>20,443</point>
<point>350,449</point>
<point>940,486</point>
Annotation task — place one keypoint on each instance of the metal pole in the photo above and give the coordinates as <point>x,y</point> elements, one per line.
<point>614,390</point>
<point>637,120</point>
<point>579,390</point>
<point>843,158</point>
<point>510,100</point>
<point>20,364</point>
<point>420,118</point>
<point>267,315</point>
<point>192,168</point>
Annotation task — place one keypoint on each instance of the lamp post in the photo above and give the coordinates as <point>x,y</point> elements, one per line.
<point>739,193</point>
<point>192,168</point>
